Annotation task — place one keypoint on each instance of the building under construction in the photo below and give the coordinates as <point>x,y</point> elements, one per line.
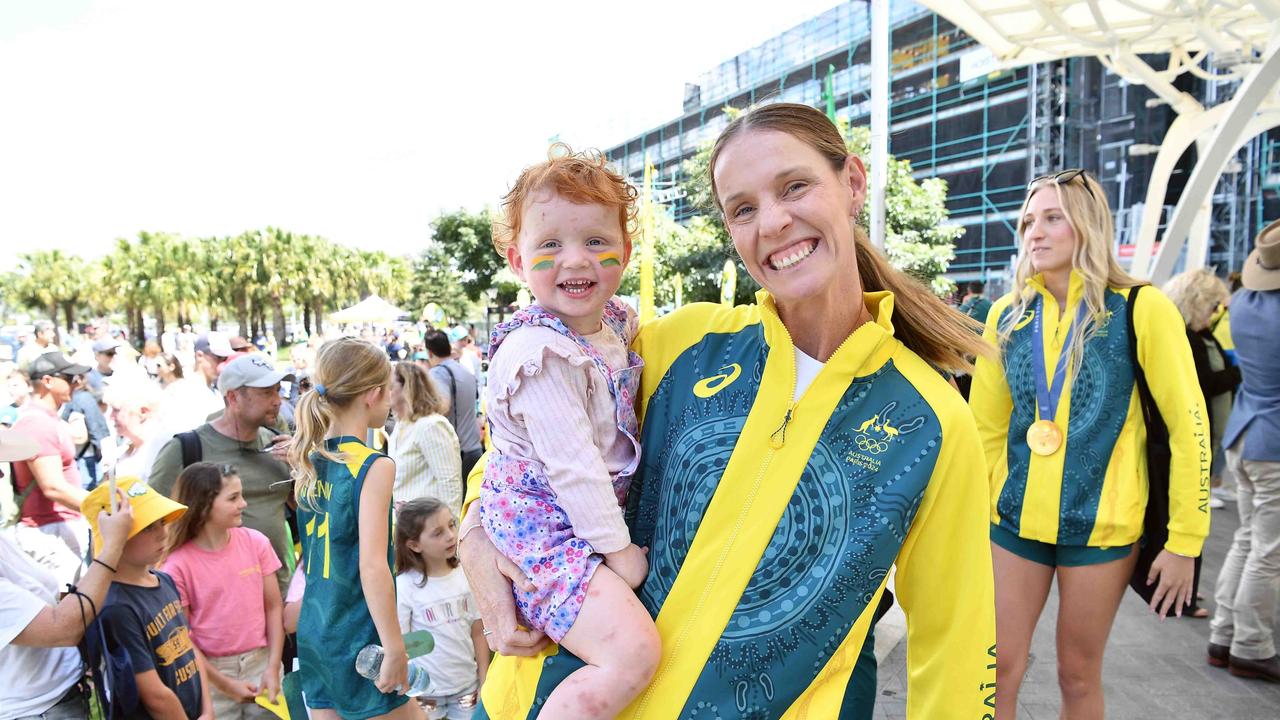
<point>986,133</point>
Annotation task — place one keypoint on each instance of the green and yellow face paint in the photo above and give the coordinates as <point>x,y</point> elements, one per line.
<point>610,259</point>
<point>542,262</point>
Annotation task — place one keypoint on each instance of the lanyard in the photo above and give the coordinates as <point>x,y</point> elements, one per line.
<point>1047,395</point>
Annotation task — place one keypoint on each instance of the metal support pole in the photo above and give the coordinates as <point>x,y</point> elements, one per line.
<point>880,91</point>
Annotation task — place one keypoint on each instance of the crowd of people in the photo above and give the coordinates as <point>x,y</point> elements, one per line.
<point>207,433</point>
<point>708,511</point>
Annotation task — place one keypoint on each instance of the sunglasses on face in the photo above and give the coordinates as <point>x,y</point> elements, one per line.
<point>304,384</point>
<point>1062,178</point>
<point>108,353</point>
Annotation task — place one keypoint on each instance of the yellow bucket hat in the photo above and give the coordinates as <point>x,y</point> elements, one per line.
<point>148,506</point>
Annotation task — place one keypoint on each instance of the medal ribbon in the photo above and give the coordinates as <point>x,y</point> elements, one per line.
<point>1047,395</point>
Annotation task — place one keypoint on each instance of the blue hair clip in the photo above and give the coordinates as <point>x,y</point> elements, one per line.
<point>320,389</point>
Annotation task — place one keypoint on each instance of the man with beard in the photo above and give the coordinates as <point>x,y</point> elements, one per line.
<point>242,437</point>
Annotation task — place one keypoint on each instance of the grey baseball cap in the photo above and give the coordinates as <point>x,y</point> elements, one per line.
<point>106,345</point>
<point>254,370</point>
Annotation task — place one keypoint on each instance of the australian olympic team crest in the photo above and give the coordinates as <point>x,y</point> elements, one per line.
<point>875,435</point>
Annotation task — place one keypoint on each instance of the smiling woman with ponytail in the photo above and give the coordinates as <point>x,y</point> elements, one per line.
<point>794,451</point>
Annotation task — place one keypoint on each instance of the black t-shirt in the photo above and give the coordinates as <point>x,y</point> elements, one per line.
<point>149,624</point>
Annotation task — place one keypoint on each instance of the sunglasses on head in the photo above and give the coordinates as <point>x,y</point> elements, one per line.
<point>227,469</point>
<point>1062,178</point>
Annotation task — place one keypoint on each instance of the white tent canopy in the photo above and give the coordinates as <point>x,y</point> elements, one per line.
<point>1242,37</point>
<point>372,309</point>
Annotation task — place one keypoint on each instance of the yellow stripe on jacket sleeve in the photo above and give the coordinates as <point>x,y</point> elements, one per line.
<point>944,578</point>
<point>992,404</point>
<point>1165,355</point>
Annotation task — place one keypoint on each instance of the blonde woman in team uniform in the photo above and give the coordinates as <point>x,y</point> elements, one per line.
<point>1063,430</point>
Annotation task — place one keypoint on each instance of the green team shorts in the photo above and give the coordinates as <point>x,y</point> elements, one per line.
<point>1056,555</point>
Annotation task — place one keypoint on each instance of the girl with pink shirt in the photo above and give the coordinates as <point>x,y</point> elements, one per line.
<point>562,420</point>
<point>226,577</point>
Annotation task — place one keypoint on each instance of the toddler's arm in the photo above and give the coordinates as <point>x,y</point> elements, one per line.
<point>553,406</point>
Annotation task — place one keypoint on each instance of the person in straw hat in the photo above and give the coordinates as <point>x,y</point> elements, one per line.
<point>1242,634</point>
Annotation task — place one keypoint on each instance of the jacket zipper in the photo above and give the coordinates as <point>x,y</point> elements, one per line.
<point>779,436</point>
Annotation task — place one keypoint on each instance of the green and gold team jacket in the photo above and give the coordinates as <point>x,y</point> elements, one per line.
<point>773,525</point>
<point>1094,491</point>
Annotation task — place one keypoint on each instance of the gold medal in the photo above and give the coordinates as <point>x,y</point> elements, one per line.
<point>1044,437</point>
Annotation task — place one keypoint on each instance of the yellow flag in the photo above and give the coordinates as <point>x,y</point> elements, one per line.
<point>647,310</point>
<point>728,282</point>
<point>277,708</point>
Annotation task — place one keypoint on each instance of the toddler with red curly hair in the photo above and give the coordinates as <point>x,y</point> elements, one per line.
<point>561,409</point>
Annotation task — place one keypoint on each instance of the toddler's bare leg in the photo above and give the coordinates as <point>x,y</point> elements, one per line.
<point>615,636</point>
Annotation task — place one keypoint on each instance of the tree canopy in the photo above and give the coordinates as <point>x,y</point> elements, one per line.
<point>250,278</point>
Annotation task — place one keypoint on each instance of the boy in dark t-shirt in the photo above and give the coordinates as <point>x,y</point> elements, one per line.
<point>143,613</point>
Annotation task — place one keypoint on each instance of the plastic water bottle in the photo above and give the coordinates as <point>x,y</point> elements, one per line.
<point>369,664</point>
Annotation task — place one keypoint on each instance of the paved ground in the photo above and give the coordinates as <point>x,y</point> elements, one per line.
<point>1153,670</point>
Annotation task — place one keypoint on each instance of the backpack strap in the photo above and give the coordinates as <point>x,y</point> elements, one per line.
<point>453,394</point>
<point>1140,377</point>
<point>192,450</point>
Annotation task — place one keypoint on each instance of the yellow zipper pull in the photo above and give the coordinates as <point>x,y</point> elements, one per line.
<point>779,436</point>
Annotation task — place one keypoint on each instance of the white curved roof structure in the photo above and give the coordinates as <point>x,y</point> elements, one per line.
<point>1241,37</point>
<point>1021,32</point>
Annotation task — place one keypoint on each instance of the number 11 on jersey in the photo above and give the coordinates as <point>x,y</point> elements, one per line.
<point>317,532</point>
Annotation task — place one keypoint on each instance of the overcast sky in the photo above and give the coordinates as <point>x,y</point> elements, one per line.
<point>357,121</point>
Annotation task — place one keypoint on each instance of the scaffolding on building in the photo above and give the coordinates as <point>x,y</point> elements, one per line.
<point>957,114</point>
<point>1232,47</point>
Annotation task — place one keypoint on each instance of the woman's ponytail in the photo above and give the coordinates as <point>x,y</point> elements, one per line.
<point>943,336</point>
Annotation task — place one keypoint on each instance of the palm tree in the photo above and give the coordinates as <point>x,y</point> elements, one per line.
<point>156,251</point>
<point>191,286</point>
<point>313,283</point>
<point>121,274</point>
<point>279,272</point>
<point>232,268</point>
<point>51,280</point>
